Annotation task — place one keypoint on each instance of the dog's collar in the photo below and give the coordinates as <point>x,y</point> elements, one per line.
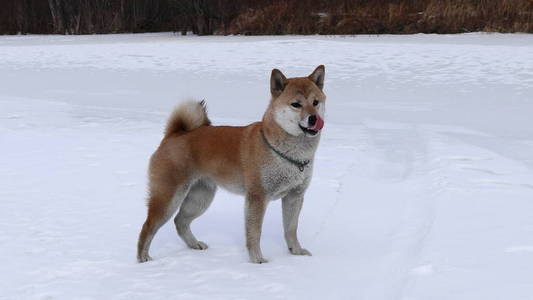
<point>299,163</point>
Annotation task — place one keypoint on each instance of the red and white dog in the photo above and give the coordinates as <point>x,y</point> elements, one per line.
<point>263,161</point>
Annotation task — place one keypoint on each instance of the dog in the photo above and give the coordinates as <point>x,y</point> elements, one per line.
<point>263,161</point>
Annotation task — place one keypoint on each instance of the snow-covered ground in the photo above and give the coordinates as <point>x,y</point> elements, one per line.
<point>423,184</point>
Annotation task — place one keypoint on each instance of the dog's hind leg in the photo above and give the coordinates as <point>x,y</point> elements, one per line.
<point>195,204</point>
<point>163,202</point>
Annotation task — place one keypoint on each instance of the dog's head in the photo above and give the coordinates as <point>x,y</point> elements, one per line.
<point>298,104</point>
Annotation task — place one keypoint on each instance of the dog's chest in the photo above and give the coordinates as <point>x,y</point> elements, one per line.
<point>280,177</point>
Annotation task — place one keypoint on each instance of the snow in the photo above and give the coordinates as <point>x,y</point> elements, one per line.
<point>422,189</point>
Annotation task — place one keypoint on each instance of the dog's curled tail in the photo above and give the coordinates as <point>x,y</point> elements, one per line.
<point>186,117</point>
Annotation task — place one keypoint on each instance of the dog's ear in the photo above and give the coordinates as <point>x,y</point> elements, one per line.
<point>278,81</point>
<point>318,76</point>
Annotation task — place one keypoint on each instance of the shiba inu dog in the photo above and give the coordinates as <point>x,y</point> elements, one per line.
<point>263,161</point>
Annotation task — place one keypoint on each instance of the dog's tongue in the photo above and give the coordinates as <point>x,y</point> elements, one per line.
<point>318,124</point>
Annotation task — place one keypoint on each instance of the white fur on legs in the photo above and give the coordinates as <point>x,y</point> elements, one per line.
<point>255,212</point>
<point>195,204</point>
<point>291,205</point>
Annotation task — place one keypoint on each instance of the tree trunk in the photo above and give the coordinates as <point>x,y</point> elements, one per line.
<point>57,16</point>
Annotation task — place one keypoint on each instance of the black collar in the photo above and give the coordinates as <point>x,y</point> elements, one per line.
<point>300,164</point>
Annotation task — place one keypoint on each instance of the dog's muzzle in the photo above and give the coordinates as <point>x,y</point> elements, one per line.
<point>315,124</point>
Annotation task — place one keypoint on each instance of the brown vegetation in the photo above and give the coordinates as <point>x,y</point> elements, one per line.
<point>265,16</point>
<point>384,16</point>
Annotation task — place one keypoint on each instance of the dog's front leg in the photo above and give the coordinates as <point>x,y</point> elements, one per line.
<point>291,205</point>
<point>255,211</point>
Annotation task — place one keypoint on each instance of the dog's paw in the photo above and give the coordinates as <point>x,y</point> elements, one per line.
<point>199,246</point>
<point>300,251</point>
<point>258,260</point>
<point>143,258</point>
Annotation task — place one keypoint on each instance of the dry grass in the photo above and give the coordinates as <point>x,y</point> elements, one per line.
<point>381,16</point>
<point>485,15</point>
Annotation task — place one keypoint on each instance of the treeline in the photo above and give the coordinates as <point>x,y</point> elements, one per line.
<point>205,17</point>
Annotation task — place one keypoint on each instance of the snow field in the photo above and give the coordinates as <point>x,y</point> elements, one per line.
<point>422,188</point>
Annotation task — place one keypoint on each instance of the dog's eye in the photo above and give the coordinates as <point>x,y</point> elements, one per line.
<point>296,104</point>
<point>315,103</point>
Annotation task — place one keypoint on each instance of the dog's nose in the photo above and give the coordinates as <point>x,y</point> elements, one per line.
<point>312,120</point>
